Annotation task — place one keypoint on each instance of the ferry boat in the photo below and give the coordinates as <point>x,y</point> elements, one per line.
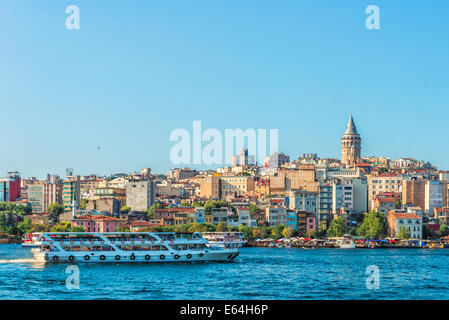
<point>116,247</point>
<point>225,239</point>
<point>347,242</point>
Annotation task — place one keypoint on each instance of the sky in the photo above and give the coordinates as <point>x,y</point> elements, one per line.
<point>104,99</point>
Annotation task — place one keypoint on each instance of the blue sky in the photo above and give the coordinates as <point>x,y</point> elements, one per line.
<point>136,70</point>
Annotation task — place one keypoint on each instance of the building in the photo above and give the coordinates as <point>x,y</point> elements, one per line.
<point>435,196</point>
<point>410,221</point>
<point>243,159</point>
<point>384,202</point>
<point>210,187</point>
<point>96,223</point>
<point>414,192</point>
<point>180,174</point>
<point>42,194</point>
<point>140,195</point>
<point>275,215</point>
<point>351,145</point>
<point>10,187</point>
<point>236,185</point>
<point>109,205</point>
<point>383,183</point>
<point>305,201</point>
<point>276,160</point>
<point>111,193</point>
<point>71,194</point>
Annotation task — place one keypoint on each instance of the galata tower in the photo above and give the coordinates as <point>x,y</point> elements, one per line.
<point>351,145</point>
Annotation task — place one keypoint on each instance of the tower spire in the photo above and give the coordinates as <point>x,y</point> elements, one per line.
<point>350,128</point>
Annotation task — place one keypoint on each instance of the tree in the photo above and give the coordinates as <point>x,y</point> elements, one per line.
<point>221,227</point>
<point>311,234</point>
<point>213,204</point>
<point>322,227</point>
<point>253,208</point>
<point>61,227</point>
<point>374,226</point>
<point>125,209</point>
<point>337,228</point>
<point>276,232</point>
<point>259,233</point>
<point>287,232</point>
<point>403,233</point>
<point>247,231</point>
<point>55,210</point>
<point>444,230</point>
<point>83,203</point>
<point>24,227</point>
<point>77,229</point>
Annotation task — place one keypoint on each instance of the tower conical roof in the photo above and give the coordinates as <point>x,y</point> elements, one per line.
<point>350,128</point>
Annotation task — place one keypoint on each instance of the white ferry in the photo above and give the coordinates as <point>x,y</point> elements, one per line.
<point>128,247</point>
<point>225,239</point>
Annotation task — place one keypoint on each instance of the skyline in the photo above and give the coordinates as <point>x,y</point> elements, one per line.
<point>135,72</point>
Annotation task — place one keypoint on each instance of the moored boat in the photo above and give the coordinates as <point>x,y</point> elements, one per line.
<point>347,242</point>
<point>128,247</point>
<point>225,239</point>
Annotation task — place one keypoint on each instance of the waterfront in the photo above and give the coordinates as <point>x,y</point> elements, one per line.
<point>258,273</point>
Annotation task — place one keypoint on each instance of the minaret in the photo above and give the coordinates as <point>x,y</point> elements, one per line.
<point>351,145</point>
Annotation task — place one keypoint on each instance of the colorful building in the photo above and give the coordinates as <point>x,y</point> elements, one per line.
<point>10,189</point>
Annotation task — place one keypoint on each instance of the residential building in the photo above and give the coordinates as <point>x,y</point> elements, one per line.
<point>140,195</point>
<point>96,223</point>
<point>42,194</point>
<point>119,194</point>
<point>410,221</point>
<point>236,185</point>
<point>10,187</point>
<point>275,215</point>
<point>71,194</point>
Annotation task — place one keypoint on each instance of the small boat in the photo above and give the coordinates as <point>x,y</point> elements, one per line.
<point>31,240</point>
<point>225,239</point>
<point>347,242</point>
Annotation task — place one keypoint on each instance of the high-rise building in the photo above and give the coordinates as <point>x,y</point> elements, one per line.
<point>10,189</point>
<point>71,193</point>
<point>42,194</point>
<point>351,145</point>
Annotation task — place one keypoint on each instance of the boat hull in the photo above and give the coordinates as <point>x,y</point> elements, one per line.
<point>135,257</point>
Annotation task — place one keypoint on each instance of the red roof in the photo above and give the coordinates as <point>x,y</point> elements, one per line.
<point>403,215</point>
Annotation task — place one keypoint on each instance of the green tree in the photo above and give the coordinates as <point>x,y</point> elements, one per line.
<point>276,232</point>
<point>311,234</point>
<point>287,232</point>
<point>221,227</point>
<point>77,229</point>
<point>125,209</point>
<point>253,208</point>
<point>61,227</point>
<point>83,204</point>
<point>403,232</point>
<point>24,226</point>
<point>337,228</point>
<point>374,226</point>
<point>55,210</point>
<point>444,230</point>
<point>247,231</point>
<point>259,233</point>
<point>322,227</point>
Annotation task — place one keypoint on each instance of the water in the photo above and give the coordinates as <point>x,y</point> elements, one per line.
<point>257,273</point>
